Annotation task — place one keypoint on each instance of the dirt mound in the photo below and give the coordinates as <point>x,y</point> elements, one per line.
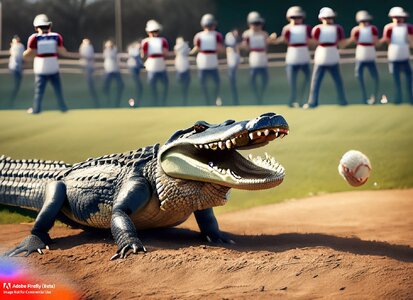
<point>352,245</point>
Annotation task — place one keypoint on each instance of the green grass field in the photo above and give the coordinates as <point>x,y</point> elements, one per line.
<point>77,96</point>
<point>310,153</point>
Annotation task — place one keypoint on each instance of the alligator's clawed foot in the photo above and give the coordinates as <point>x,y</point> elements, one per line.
<point>30,244</point>
<point>124,251</point>
<point>218,238</point>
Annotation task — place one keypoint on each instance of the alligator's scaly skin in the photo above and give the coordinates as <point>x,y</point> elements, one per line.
<point>131,190</point>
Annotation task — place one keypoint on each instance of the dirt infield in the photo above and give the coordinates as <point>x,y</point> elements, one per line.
<point>353,245</point>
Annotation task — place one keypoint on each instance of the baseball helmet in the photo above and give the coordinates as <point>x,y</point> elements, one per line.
<point>326,12</point>
<point>398,11</point>
<point>363,15</point>
<point>41,20</point>
<point>254,17</point>
<point>152,26</point>
<point>208,20</point>
<point>295,11</point>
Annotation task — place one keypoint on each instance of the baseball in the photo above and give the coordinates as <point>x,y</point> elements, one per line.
<point>355,167</point>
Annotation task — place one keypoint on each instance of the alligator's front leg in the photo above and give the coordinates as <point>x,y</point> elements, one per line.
<point>133,195</point>
<point>39,238</point>
<point>208,225</point>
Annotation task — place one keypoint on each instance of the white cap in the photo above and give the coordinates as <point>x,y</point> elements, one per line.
<point>208,20</point>
<point>398,11</point>
<point>363,15</point>
<point>254,17</point>
<point>326,12</point>
<point>152,26</point>
<point>295,11</point>
<point>41,20</point>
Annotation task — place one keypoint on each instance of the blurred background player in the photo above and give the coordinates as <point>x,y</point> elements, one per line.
<point>16,66</point>
<point>112,72</point>
<point>256,40</point>
<point>232,44</point>
<point>155,48</point>
<point>87,61</point>
<point>183,73</point>
<point>45,46</point>
<point>208,43</point>
<point>297,36</point>
<point>398,34</point>
<point>326,58</point>
<point>135,65</point>
<point>366,37</point>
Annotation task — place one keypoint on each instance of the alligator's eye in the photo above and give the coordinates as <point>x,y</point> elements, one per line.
<point>199,128</point>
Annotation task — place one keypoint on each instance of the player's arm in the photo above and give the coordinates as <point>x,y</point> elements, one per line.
<point>342,41</point>
<point>220,43</point>
<point>272,39</point>
<point>352,39</point>
<point>386,35</point>
<point>29,53</point>
<point>195,49</point>
<point>410,35</point>
<point>62,51</point>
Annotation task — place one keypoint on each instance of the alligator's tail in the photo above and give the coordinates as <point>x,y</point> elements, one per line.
<point>23,182</point>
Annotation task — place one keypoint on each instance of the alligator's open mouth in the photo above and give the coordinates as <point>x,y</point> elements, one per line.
<point>219,161</point>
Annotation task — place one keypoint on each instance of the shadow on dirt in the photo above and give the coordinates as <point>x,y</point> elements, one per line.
<point>177,238</point>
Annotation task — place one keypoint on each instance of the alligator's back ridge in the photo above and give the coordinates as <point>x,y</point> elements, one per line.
<point>23,182</point>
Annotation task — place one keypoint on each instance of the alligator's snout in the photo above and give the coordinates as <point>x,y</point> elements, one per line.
<point>267,120</point>
<point>209,153</point>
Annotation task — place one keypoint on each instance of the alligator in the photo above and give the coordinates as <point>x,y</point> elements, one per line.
<point>152,187</point>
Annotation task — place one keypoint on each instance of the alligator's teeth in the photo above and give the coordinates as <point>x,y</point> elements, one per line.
<point>206,146</point>
<point>213,146</point>
<point>266,132</point>
<point>196,146</point>
<point>234,141</point>
<point>277,134</point>
<point>250,156</point>
<point>282,135</point>
<point>267,156</point>
<point>251,135</point>
<point>259,133</point>
<point>221,145</point>
<point>228,144</point>
<point>200,146</point>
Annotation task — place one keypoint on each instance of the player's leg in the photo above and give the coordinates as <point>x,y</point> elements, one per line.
<point>165,85</point>
<point>91,86</point>
<point>306,81</point>
<point>217,83</point>
<point>264,80</point>
<point>395,70</point>
<point>372,67</point>
<point>232,76</point>
<point>335,73</point>
<point>291,71</point>
<point>106,87</point>
<point>317,78</point>
<point>17,74</point>
<point>152,85</point>
<point>39,88</point>
<point>185,82</point>
<point>359,68</point>
<point>120,86</point>
<point>203,77</point>
<point>253,80</point>
<point>57,86</point>
<point>408,73</point>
